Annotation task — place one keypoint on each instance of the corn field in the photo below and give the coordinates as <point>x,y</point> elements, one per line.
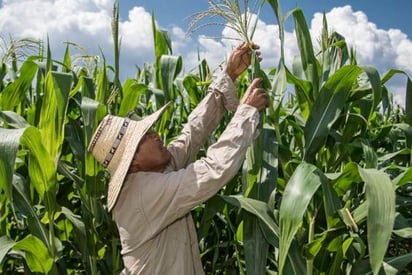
<point>325,189</point>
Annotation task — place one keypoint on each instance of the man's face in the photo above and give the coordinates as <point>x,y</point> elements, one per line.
<point>151,155</point>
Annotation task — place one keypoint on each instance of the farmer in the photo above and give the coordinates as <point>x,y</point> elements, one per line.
<point>153,189</point>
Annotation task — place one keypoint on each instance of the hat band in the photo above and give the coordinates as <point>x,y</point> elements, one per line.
<point>116,142</point>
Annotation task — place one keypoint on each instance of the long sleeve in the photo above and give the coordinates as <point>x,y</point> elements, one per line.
<point>203,120</point>
<point>172,195</point>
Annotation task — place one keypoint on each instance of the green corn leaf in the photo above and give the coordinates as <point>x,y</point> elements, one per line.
<point>310,63</point>
<point>375,83</point>
<point>170,67</point>
<point>75,220</point>
<point>9,145</point>
<point>162,44</point>
<point>195,94</point>
<point>213,206</point>
<point>15,93</point>
<point>279,87</point>
<point>5,245</point>
<point>92,113</point>
<point>332,204</point>
<point>303,90</point>
<point>259,209</point>
<point>42,168</point>
<point>23,203</point>
<point>260,179</point>
<point>380,198</point>
<point>103,91</point>
<point>408,93</point>
<point>36,254</point>
<point>132,91</point>
<point>327,108</point>
<point>13,120</point>
<point>67,62</point>
<point>371,158</point>
<point>398,263</point>
<point>404,178</point>
<point>299,191</point>
<point>53,112</point>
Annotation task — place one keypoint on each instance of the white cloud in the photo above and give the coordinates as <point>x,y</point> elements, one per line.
<point>82,22</point>
<point>87,23</point>
<point>382,49</point>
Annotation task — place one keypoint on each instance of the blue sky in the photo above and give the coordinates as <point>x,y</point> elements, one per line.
<point>380,31</point>
<point>385,14</point>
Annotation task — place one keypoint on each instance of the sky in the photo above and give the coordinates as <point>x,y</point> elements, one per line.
<point>379,31</point>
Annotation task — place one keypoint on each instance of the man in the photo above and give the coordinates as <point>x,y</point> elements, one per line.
<point>152,189</point>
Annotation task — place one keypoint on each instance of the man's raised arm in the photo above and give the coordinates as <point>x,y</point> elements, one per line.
<point>206,116</point>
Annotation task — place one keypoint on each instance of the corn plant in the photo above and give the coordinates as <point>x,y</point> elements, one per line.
<point>325,189</point>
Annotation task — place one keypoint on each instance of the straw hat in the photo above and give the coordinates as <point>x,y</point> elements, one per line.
<point>114,144</point>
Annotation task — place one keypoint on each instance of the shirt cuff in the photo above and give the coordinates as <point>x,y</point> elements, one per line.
<point>224,85</point>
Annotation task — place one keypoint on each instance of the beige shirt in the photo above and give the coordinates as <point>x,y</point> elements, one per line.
<point>153,209</point>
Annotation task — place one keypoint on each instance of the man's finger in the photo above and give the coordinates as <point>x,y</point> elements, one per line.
<point>256,83</point>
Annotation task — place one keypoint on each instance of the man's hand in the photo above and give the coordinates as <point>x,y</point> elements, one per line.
<point>256,96</point>
<point>240,59</point>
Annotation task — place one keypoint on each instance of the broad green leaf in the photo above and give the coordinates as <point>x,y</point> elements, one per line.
<point>75,220</point>
<point>13,120</point>
<point>9,145</point>
<point>103,91</point>
<point>399,263</point>
<point>92,113</point>
<point>85,86</point>
<point>309,62</point>
<point>15,93</point>
<point>327,108</point>
<point>259,178</point>
<point>42,168</point>
<point>190,83</point>
<point>53,113</point>
<point>408,93</point>
<point>255,245</point>
<point>132,91</point>
<point>403,225</point>
<point>407,131</point>
<point>303,90</point>
<point>348,178</point>
<point>380,198</point>
<point>354,124</point>
<point>332,204</point>
<point>257,208</point>
<point>404,232</point>
<point>299,191</point>
<point>170,67</point>
<point>213,206</point>
<point>162,44</point>
<point>375,83</point>
<point>279,87</point>
<point>371,158</point>
<point>36,254</point>
<point>5,245</point>
<point>24,205</point>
